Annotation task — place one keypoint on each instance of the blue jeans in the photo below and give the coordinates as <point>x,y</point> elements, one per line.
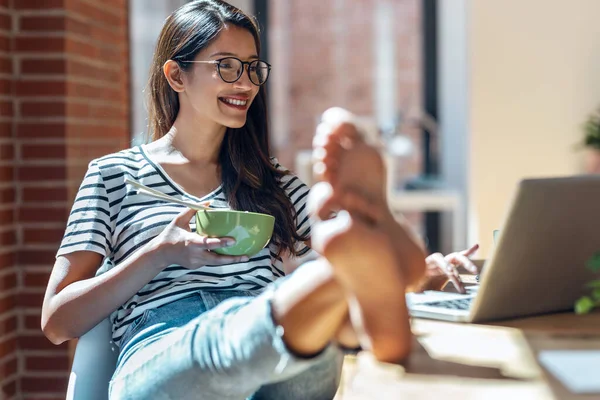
<point>218,345</point>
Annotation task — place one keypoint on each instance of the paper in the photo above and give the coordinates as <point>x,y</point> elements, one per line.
<point>577,370</point>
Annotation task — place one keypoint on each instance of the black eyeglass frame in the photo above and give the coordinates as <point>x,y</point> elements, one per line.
<point>244,63</point>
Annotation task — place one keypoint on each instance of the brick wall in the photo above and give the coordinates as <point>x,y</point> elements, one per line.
<point>64,99</point>
<point>9,357</point>
<point>324,55</point>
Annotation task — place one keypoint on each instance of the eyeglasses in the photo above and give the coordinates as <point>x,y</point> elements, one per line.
<point>230,69</point>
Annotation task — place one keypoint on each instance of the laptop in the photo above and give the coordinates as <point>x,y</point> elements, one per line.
<point>538,264</point>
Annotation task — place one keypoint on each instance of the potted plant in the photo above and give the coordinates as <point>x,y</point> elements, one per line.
<point>587,303</point>
<point>591,143</point>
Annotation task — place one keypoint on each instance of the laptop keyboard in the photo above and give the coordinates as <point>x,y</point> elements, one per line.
<point>457,304</point>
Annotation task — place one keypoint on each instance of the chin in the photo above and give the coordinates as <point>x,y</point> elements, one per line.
<point>235,123</point>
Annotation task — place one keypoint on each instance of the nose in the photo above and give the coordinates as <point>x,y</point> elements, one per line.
<point>244,82</point>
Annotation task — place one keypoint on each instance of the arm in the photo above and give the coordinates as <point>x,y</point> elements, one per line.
<point>76,300</point>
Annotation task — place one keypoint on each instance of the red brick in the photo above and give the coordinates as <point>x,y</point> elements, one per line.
<point>41,173</point>
<point>112,55</point>
<point>84,49</point>
<point>48,44</point>
<point>9,389</point>
<point>37,195</point>
<point>42,109</point>
<point>8,282</point>
<point>46,23</point>
<point>8,238</point>
<point>36,257</point>
<point>36,279</point>
<point>43,214</point>
<point>108,112</point>
<point>7,260</point>
<point>42,151</point>
<point>41,88</point>
<point>48,363</point>
<point>81,69</point>
<point>7,195</point>
<point>6,66</point>
<point>6,108</point>
<point>6,86</point>
<point>7,152</point>
<point>31,300</point>
<point>78,110</point>
<point>39,385</point>
<point>38,342</point>
<point>6,22</point>
<point>6,130</point>
<point>7,303</point>
<point>5,43</point>
<point>110,37</point>
<point>93,131</point>
<point>41,131</point>
<point>95,92</point>
<point>45,235</point>
<point>97,14</point>
<point>38,4</point>
<point>6,174</point>
<point>9,368</point>
<point>43,67</point>
<point>33,321</point>
<point>8,325</point>
<point>8,346</point>
<point>78,27</point>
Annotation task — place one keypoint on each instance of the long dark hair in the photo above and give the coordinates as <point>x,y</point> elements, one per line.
<point>250,181</point>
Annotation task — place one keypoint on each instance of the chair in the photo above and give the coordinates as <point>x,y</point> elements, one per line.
<point>93,364</point>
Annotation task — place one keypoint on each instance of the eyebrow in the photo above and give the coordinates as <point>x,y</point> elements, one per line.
<point>224,53</point>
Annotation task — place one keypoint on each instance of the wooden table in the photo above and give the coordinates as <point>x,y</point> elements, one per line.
<point>474,361</point>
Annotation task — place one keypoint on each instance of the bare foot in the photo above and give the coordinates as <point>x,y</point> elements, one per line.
<point>355,173</point>
<point>371,254</point>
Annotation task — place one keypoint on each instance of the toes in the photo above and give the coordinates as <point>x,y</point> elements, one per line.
<point>325,233</point>
<point>321,201</point>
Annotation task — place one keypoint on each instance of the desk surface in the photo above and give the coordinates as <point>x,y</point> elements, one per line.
<point>472,361</point>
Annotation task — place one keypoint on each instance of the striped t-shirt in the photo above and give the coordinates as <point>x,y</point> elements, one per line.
<point>111,218</point>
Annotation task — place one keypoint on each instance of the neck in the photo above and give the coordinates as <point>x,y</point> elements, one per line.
<point>198,141</point>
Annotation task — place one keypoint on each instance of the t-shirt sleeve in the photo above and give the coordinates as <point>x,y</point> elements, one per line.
<point>297,192</point>
<point>89,224</point>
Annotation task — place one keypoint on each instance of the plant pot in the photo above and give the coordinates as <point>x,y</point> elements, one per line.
<point>592,161</point>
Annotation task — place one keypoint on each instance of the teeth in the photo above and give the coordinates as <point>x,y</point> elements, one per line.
<point>235,102</point>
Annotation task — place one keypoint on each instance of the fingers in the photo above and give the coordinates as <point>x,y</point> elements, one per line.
<point>459,259</point>
<point>183,218</point>
<point>202,255</point>
<point>470,251</point>
<point>439,261</point>
<point>212,259</point>
<point>356,203</point>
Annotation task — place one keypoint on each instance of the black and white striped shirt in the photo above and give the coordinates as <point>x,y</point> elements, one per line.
<point>111,218</point>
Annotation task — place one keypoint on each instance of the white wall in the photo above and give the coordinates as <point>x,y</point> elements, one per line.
<point>533,69</point>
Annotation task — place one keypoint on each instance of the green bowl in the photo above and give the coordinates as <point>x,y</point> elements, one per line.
<point>251,231</point>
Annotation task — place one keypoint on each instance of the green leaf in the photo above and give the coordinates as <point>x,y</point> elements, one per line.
<point>584,305</point>
<point>594,263</point>
<point>596,294</point>
<point>593,284</point>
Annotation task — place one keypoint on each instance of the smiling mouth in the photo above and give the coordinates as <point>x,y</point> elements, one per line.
<point>234,103</point>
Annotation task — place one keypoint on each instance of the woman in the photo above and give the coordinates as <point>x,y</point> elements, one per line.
<point>194,324</point>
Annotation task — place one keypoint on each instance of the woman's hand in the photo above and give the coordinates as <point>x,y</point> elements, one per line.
<point>177,244</point>
<point>443,269</point>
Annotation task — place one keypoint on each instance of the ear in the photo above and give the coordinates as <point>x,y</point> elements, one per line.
<point>173,73</point>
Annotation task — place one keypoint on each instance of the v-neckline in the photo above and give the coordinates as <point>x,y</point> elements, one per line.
<point>174,184</point>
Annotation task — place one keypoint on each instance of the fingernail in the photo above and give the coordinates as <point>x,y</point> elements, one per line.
<point>229,242</point>
<point>244,259</point>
